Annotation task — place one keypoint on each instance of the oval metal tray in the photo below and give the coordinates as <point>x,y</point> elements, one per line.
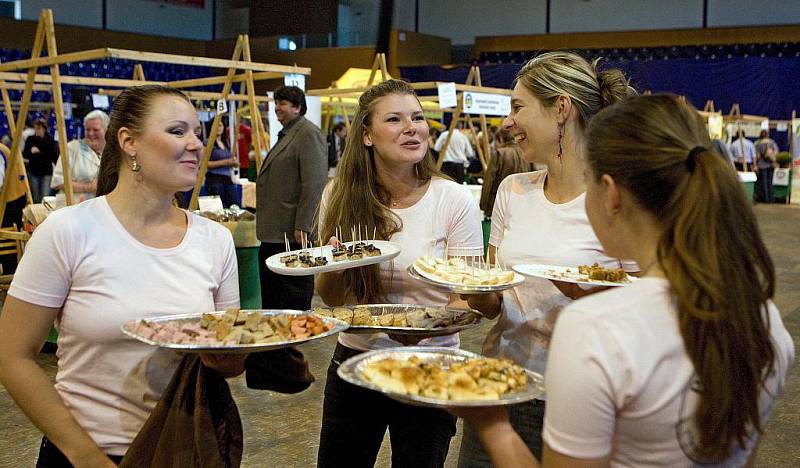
<point>461,288</point>
<point>350,371</point>
<point>389,250</point>
<point>567,275</point>
<point>378,309</point>
<point>338,326</point>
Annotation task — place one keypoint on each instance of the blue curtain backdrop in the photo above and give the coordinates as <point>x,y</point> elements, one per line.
<point>767,86</point>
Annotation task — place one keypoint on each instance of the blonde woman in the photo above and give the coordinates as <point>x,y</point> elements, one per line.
<point>387,182</point>
<point>539,217</point>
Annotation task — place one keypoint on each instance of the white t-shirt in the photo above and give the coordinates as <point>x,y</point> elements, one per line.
<point>619,378</point>
<point>458,151</point>
<point>84,164</point>
<point>82,259</point>
<point>447,213</point>
<point>528,228</point>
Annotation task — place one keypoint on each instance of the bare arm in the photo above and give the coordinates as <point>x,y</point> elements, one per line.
<point>23,330</point>
<point>222,163</point>
<point>487,304</point>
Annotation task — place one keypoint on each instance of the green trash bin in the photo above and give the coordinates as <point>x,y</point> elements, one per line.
<point>748,180</point>
<point>249,279</point>
<point>487,228</point>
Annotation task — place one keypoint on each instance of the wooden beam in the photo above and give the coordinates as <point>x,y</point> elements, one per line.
<point>139,56</point>
<point>138,72</point>
<point>212,80</point>
<point>58,99</point>
<point>200,95</point>
<point>255,114</point>
<point>92,54</point>
<point>484,127</point>
<point>79,80</point>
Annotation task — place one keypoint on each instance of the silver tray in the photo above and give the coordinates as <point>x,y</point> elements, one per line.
<point>378,309</point>
<point>464,289</point>
<point>338,326</point>
<point>350,371</point>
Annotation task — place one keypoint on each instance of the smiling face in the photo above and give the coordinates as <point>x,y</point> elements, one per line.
<point>169,147</point>
<point>533,126</point>
<point>398,131</point>
<point>95,134</point>
<point>285,111</point>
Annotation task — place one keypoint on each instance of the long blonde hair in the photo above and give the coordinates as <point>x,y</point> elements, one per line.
<point>710,250</point>
<point>356,197</point>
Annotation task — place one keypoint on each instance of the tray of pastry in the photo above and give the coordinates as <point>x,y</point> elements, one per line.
<point>403,319</point>
<point>233,331</point>
<point>442,377</point>
<point>458,275</point>
<point>590,275</point>
<point>313,260</point>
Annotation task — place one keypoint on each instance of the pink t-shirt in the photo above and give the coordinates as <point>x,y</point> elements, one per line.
<point>82,260</point>
<point>447,213</point>
<point>528,228</point>
<point>619,379</point>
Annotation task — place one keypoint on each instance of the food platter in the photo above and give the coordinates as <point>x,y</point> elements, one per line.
<point>137,329</point>
<point>425,321</point>
<point>459,288</point>
<point>569,275</point>
<point>353,371</point>
<point>388,250</point>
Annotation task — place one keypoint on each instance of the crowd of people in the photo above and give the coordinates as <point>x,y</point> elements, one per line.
<point>681,367</point>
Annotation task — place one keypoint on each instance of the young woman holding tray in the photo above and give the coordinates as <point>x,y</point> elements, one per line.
<point>387,181</point>
<point>539,217</point>
<point>127,254</point>
<point>684,366</point>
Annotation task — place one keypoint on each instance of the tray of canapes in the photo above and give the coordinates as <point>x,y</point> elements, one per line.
<point>403,319</point>
<point>591,275</point>
<point>311,260</point>
<point>233,331</point>
<point>463,275</point>
<point>442,377</point>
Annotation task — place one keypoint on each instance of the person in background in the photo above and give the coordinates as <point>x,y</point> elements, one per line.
<point>506,160</point>
<point>743,152</point>
<point>457,155</point>
<point>127,254</point>
<point>28,131</point>
<point>84,158</point>
<point>41,151</point>
<point>719,147</point>
<point>766,160</point>
<point>539,217</point>
<point>433,135</point>
<point>683,367</point>
<point>218,176</point>
<point>336,141</point>
<point>288,191</point>
<point>244,139</point>
<point>388,183</point>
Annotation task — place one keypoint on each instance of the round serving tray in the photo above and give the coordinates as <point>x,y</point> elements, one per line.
<point>461,288</point>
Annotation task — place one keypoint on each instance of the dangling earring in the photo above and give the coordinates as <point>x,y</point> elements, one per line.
<point>135,167</point>
<point>560,139</point>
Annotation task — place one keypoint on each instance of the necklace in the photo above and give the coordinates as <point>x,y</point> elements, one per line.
<point>395,202</point>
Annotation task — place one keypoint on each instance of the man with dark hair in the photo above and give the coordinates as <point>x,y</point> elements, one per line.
<point>288,191</point>
<point>336,146</point>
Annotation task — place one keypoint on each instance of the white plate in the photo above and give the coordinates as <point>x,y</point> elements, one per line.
<point>560,273</point>
<point>389,250</point>
<point>459,288</point>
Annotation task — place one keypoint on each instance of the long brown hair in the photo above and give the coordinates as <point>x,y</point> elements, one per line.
<point>721,275</point>
<point>356,197</point>
<point>130,110</point>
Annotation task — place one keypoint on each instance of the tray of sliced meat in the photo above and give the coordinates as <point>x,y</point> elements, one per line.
<point>233,331</point>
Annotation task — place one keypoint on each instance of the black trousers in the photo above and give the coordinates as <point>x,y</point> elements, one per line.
<point>281,291</point>
<point>454,170</point>
<point>764,185</point>
<point>51,457</point>
<point>355,419</point>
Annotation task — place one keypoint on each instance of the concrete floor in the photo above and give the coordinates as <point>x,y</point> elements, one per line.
<point>282,430</point>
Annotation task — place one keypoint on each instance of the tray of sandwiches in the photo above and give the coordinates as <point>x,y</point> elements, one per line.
<point>462,275</point>
<point>590,275</point>
<point>233,331</point>
<point>442,377</point>
<point>310,260</point>
<point>403,319</point>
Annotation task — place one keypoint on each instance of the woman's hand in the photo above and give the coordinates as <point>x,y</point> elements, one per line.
<point>227,365</point>
<point>481,418</point>
<point>574,291</point>
<point>406,340</point>
<point>93,459</point>
<point>34,150</point>
<point>233,162</point>
<point>487,304</point>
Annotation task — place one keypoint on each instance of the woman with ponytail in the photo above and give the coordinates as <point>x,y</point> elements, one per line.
<point>684,366</point>
<point>90,268</point>
<point>539,217</point>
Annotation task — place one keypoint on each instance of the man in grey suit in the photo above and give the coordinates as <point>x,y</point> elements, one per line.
<point>288,191</point>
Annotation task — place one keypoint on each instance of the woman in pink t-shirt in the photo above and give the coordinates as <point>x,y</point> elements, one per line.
<point>683,366</point>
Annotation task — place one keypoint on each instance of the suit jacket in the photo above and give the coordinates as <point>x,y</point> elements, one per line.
<point>290,184</point>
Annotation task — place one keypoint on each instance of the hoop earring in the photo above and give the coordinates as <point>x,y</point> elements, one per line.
<point>560,139</point>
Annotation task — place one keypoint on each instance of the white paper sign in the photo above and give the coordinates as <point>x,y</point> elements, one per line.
<point>222,106</point>
<point>782,127</point>
<point>488,104</point>
<point>100,101</point>
<point>781,177</point>
<point>209,203</point>
<point>295,79</point>
<point>447,95</point>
